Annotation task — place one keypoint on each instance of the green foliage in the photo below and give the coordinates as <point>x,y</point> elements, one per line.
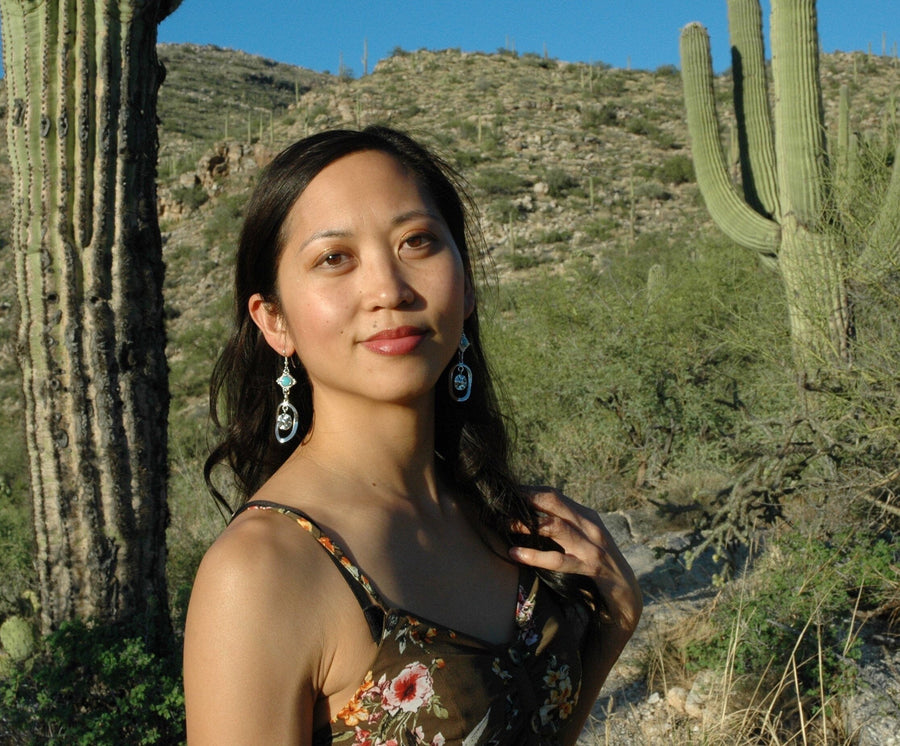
<point>677,169</point>
<point>553,235</point>
<point>500,181</point>
<point>17,637</point>
<point>16,535</point>
<point>559,182</point>
<point>637,388</point>
<point>224,225</point>
<point>605,115</point>
<point>652,190</point>
<point>92,684</point>
<point>191,197</point>
<point>796,605</point>
<point>601,229</point>
<point>525,261</point>
<point>467,159</point>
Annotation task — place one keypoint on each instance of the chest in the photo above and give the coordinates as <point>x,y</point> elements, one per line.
<point>450,576</point>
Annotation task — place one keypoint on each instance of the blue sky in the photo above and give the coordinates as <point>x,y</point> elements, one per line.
<point>643,32</point>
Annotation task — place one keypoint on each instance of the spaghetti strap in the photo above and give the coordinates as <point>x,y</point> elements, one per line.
<point>366,596</point>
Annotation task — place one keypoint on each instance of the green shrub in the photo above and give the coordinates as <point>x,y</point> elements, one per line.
<point>559,182</point>
<point>638,388</point>
<point>191,197</point>
<point>640,126</point>
<point>93,684</point>
<point>601,229</point>
<point>605,115</point>
<point>17,568</point>
<point>467,159</point>
<point>666,71</point>
<point>679,169</point>
<point>796,606</point>
<point>525,261</point>
<point>500,181</point>
<point>224,224</point>
<point>553,235</point>
<point>17,637</point>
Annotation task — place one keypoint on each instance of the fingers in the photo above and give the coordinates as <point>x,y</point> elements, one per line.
<point>543,560</point>
<point>585,545</point>
<point>560,515</point>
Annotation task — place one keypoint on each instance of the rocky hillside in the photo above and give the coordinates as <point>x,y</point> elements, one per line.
<point>567,161</point>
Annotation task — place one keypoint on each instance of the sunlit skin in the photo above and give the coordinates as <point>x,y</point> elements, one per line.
<point>371,286</point>
<point>372,298</point>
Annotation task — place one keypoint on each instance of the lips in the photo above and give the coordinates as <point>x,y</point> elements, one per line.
<point>397,341</point>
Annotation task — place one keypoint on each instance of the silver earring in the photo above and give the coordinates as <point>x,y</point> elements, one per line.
<point>461,374</point>
<point>286,420</point>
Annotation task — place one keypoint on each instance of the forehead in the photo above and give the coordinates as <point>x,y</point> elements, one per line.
<point>364,184</point>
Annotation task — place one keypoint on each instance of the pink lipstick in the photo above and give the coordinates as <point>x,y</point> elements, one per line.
<point>397,341</point>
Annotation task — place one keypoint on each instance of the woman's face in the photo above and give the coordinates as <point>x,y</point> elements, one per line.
<point>371,284</point>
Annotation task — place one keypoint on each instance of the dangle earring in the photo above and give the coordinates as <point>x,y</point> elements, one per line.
<point>287,420</point>
<point>461,374</point>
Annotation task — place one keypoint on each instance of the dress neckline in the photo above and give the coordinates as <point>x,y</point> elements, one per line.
<point>525,585</point>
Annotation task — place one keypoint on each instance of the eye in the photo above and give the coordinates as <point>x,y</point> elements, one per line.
<point>419,241</point>
<point>333,260</point>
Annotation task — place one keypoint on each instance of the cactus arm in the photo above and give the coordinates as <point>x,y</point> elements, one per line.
<point>730,212</point>
<point>882,252</point>
<point>751,107</point>
<point>842,149</point>
<point>799,118</point>
<point>166,8</point>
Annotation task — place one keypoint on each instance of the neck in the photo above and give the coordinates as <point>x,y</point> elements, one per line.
<point>389,448</point>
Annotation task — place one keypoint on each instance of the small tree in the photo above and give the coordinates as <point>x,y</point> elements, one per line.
<point>787,211</point>
<point>82,79</point>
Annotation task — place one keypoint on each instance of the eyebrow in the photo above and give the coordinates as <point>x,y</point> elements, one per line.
<point>403,217</point>
<point>397,220</point>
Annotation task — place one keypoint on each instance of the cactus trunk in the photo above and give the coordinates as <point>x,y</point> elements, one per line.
<point>82,82</point>
<point>809,255</point>
<point>787,207</point>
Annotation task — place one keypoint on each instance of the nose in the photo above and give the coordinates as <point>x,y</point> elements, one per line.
<point>386,284</point>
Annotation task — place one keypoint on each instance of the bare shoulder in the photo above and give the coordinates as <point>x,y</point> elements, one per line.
<point>256,634</point>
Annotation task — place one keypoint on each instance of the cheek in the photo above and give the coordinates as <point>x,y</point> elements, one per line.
<point>316,320</point>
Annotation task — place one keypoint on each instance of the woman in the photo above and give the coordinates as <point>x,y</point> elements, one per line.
<point>388,582</point>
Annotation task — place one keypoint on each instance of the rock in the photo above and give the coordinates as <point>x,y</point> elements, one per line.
<point>872,712</point>
<point>676,698</point>
<point>697,700</point>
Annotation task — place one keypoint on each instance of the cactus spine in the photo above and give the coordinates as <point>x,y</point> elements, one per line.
<point>82,79</point>
<point>787,200</point>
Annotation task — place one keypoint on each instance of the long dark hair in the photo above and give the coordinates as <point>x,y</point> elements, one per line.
<point>471,439</point>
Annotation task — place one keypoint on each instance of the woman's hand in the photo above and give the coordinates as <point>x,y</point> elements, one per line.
<point>587,549</point>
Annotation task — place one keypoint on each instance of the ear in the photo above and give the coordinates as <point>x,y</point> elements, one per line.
<point>469,299</point>
<point>268,317</point>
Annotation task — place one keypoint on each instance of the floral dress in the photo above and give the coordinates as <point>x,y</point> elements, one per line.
<point>429,685</point>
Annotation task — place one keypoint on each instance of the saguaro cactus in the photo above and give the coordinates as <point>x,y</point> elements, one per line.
<point>82,79</point>
<point>787,209</point>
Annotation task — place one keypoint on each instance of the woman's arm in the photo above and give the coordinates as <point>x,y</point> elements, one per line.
<point>248,677</point>
<point>588,549</point>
